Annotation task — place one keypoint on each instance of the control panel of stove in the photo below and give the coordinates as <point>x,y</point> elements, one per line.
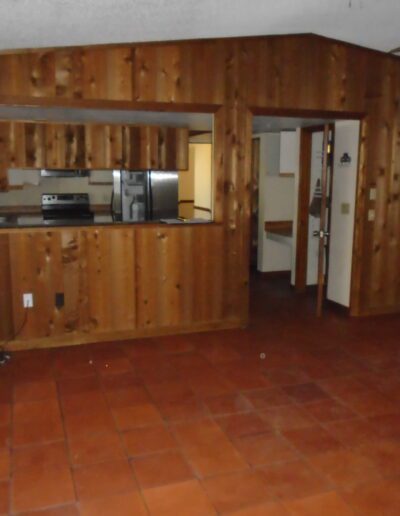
<point>56,199</point>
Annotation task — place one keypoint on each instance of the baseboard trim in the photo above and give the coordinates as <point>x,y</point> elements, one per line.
<point>78,338</point>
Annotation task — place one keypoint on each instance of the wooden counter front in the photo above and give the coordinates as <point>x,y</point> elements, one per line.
<point>118,282</point>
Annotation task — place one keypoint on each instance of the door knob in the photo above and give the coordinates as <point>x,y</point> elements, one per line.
<point>321,234</point>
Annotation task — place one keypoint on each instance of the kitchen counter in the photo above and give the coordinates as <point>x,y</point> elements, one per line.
<point>37,221</point>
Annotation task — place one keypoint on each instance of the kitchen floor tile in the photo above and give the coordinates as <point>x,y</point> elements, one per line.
<point>37,422</point>
<point>305,393</point>
<point>326,504</point>
<point>5,413</point>
<point>4,463</point>
<point>353,432</point>
<point>162,468</point>
<point>264,509</point>
<point>241,425</point>
<point>91,448</point>
<point>207,448</point>
<point>43,455</point>
<point>293,479</point>
<point>4,497</point>
<point>65,510</point>
<point>125,504</point>
<point>264,399</point>
<point>311,440</point>
<point>287,417</point>
<point>235,490</point>
<point>345,467</point>
<point>103,479</point>
<point>228,404</point>
<point>35,487</point>
<point>150,439</point>
<point>375,499</point>
<point>329,410</point>
<point>35,391</point>
<point>265,449</point>
<point>132,416</point>
<point>185,498</point>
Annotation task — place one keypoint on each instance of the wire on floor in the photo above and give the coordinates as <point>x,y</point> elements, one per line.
<point>4,355</point>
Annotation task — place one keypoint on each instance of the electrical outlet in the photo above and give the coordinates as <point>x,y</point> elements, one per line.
<point>27,300</point>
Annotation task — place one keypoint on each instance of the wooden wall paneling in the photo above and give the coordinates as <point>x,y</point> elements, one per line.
<point>6,312</point>
<point>69,73</point>
<point>391,235</point>
<point>291,72</point>
<point>75,146</point>
<point>107,73</point>
<point>122,278</point>
<point>181,148</point>
<point>104,147</point>
<point>218,169</point>
<point>141,144</point>
<point>208,291</point>
<point>105,280</point>
<point>169,293</point>
<point>236,186</point>
<point>173,148</point>
<point>144,73</point>
<point>76,299</point>
<point>148,276</point>
<point>17,145</point>
<point>394,211</point>
<point>5,155</point>
<point>98,267</point>
<point>168,73</point>
<point>36,268</point>
<point>119,73</point>
<point>361,225</point>
<point>382,111</point>
<point>55,146</point>
<point>42,72</point>
<point>35,154</point>
<point>302,210</point>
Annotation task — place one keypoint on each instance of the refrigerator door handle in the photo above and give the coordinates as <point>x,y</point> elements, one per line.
<point>149,204</point>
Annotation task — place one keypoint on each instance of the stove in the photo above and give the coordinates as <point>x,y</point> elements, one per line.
<point>61,209</point>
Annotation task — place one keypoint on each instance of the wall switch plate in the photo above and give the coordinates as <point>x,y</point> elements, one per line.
<point>345,208</point>
<point>27,300</point>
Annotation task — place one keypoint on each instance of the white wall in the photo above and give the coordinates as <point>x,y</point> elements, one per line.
<point>347,134</point>
<point>30,194</point>
<point>203,193</point>
<point>276,195</point>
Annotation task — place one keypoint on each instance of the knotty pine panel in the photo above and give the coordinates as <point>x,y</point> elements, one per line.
<point>6,315</point>
<point>104,146</point>
<point>179,281</point>
<point>93,268</point>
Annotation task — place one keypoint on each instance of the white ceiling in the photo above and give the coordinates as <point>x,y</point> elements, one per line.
<point>271,124</point>
<point>41,23</point>
<point>194,121</point>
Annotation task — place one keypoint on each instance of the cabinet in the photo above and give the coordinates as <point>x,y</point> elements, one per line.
<point>152,147</point>
<point>93,146</point>
<point>65,146</point>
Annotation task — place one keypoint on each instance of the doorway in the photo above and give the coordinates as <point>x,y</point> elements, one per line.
<point>305,231</point>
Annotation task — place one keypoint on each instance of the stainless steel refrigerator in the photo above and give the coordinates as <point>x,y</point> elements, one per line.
<point>144,195</point>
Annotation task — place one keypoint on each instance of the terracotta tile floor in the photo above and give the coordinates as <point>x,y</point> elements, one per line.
<point>203,425</point>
